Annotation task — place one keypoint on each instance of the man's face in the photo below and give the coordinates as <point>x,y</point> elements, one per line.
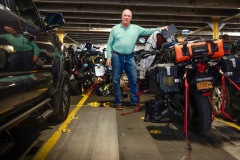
<point>10,30</point>
<point>225,39</point>
<point>126,17</point>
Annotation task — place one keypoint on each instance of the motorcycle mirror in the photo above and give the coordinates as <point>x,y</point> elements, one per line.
<point>141,40</point>
<point>78,50</point>
<point>145,56</point>
<point>96,47</point>
<point>237,45</point>
<point>54,20</point>
<point>185,32</point>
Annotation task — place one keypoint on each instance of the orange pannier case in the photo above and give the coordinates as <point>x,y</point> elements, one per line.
<point>196,49</point>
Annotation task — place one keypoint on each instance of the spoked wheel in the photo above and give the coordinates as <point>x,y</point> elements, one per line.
<point>216,97</point>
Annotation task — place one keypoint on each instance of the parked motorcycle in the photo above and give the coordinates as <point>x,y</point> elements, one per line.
<point>81,75</point>
<point>77,75</point>
<point>88,68</point>
<point>230,65</point>
<point>106,87</point>
<point>181,77</point>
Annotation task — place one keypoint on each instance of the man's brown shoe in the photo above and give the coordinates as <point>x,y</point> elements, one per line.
<point>119,107</point>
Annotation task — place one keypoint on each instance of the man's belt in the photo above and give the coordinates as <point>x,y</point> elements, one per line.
<point>122,54</point>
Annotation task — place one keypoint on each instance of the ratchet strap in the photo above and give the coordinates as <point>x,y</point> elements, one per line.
<point>186,105</point>
<point>138,108</point>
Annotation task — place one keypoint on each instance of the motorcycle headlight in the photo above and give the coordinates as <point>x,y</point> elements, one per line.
<point>98,60</point>
<point>85,65</point>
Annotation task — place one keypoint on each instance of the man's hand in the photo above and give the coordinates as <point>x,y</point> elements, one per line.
<point>164,27</point>
<point>35,58</point>
<point>108,62</point>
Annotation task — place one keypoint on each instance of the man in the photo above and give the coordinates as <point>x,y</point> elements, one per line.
<point>120,49</point>
<point>228,46</point>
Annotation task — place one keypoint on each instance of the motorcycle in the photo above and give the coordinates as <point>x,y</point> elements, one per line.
<point>106,87</point>
<point>181,77</point>
<point>87,70</point>
<point>77,75</point>
<point>230,64</point>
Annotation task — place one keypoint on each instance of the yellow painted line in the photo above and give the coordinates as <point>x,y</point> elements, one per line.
<point>8,109</point>
<point>43,89</point>
<point>47,147</point>
<point>233,125</point>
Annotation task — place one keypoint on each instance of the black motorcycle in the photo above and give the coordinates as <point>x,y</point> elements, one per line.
<point>181,78</point>
<point>77,75</point>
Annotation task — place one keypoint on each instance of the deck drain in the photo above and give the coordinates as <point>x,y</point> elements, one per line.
<point>65,130</point>
<point>155,132</point>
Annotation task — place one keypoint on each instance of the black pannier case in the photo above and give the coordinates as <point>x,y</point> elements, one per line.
<point>163,78</point>
<point>230,65</point>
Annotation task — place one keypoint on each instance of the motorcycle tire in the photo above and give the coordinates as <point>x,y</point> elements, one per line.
<point>99,90</point>
<point>216,97</point>
<point>229,109</point>
<point>75,88</point>
<point>199,114</point>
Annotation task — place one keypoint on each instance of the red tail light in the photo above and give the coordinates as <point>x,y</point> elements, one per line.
<point>201,67</point>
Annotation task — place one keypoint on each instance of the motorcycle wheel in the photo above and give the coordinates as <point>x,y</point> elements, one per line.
<point>75,87</point>
<point>200,117</point>
<point>99,90</point>
<point>216,97</point>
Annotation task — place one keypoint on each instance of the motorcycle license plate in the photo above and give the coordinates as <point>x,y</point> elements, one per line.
<point>204,85</point>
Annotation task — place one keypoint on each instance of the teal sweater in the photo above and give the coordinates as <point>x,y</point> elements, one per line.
<point>123,40</point>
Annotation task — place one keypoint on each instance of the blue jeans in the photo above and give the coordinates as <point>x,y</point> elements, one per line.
<point>122,63</point>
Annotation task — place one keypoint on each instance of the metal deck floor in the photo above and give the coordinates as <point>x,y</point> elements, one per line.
<point>99,132</point>
<point>92,135</point>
